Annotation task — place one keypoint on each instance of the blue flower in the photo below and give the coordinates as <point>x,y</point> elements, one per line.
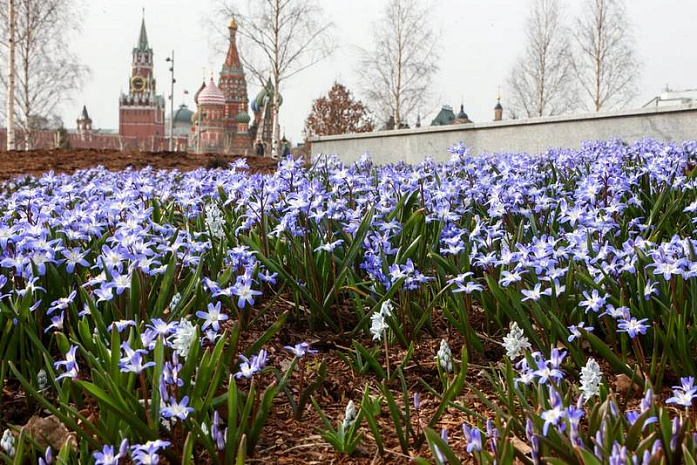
<point>243,289</point>
<point>632,326</point>
<point>556,414</point>
<point>684,394</point>
<point>147,453</point>
<point>299,350</point>
<point>574,330</point>
<point>120,325</point>
<point>473,438</point>
<point>74,257</point>
<point>176,409</point>
<point>250,367</point>
<point>106,456</point>
<point>134,363</point>
<point>213,317</point>
<point>70,364</point>
<point>535,294</point>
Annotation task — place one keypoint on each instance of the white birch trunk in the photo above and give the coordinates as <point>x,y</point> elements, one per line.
<point>11,79</point>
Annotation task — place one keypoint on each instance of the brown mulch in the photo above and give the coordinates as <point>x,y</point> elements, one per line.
<point>286,440</point>
<point>35,162</point>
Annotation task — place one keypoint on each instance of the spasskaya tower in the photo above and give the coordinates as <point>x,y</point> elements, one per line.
<point>141,110</point>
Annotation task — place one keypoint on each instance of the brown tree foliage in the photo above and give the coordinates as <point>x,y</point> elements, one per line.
<point>337,113</point>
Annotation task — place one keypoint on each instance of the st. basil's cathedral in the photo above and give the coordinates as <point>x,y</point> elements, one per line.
<point>221,123</point>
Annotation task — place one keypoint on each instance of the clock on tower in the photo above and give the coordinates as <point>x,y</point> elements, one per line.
<point>137,84</point>
<point>141,110</point>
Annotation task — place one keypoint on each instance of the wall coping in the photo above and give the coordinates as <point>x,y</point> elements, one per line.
<point>511,123</point>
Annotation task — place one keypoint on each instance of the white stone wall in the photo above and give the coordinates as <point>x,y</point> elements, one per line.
<point>531,135</point>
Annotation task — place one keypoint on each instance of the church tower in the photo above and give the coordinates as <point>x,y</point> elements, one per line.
<point>233,84</point>
<point>141,110</point>
<point>84,124</point>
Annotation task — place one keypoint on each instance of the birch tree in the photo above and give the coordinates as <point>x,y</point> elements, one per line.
<point>541,82</point>
<point>46,72</point>
<point>604,60</point>
<point>398,71</point>
<point>284,38</point>
<point>9,86</point>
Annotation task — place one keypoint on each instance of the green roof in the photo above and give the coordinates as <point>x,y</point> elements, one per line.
<point>445,117</point>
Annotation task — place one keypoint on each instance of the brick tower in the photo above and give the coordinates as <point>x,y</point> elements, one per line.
<point>142,111</point>
<point>233,84</point>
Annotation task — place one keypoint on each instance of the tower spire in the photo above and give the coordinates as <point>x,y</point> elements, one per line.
<point>143,37</point>
<point>232,59</point>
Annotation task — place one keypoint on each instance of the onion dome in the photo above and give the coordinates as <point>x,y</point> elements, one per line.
<point>243,117</point>
<point>194,117</point>
<point>265,96</point>
<point>498,106</point>
<point>462,115</point>
<point>211,95</point>
<point>233,23</point>
<point>200,89</point>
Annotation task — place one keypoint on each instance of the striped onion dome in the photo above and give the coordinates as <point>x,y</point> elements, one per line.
<point>211,95</point>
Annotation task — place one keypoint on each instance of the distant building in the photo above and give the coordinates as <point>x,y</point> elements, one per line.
<point>210,124</point>
<point>498,110</point>
<point>221,121</point>
<point>84,125</point>
<point>446,116</point>
<point>261,130</point>
<point>141,110</point>
<point>181,127</point>
<point>182,121</point>
<point>671,98</point>
<point>390,125</point>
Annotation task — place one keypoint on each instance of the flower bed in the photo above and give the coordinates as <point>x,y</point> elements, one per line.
<point>495,307</point>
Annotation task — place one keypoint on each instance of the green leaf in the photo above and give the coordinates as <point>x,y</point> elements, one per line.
<point>367,408</point>
<point>311,388</point>
<point>60,413</point>
<point>588,457</point>
<point>372,361</point>
<point>242,451</point>
<point>188,452</point>
<point>434,440</point>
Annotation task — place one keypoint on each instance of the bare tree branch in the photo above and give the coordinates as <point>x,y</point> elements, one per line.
<point>541,82</point>
<point>397,73</point>
<point>47,72</point>
<point>279,38</point>
<point>605,61</point>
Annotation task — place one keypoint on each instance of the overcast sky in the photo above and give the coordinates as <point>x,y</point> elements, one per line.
<point>480,40</point>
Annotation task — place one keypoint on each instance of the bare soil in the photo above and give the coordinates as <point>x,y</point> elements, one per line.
<point>36,162</point>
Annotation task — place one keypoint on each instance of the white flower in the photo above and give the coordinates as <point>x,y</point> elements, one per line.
<point>349,415</point>
<point>515,342</point>
<point>386,308</point>
<point>591,376</point>
<point>176,298</point>
<point>183,337</point>
<point>445,356</point>
<point>7,443</point>
<point>42,379</point>
<point>378,325</point>
<point>215,221</point>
